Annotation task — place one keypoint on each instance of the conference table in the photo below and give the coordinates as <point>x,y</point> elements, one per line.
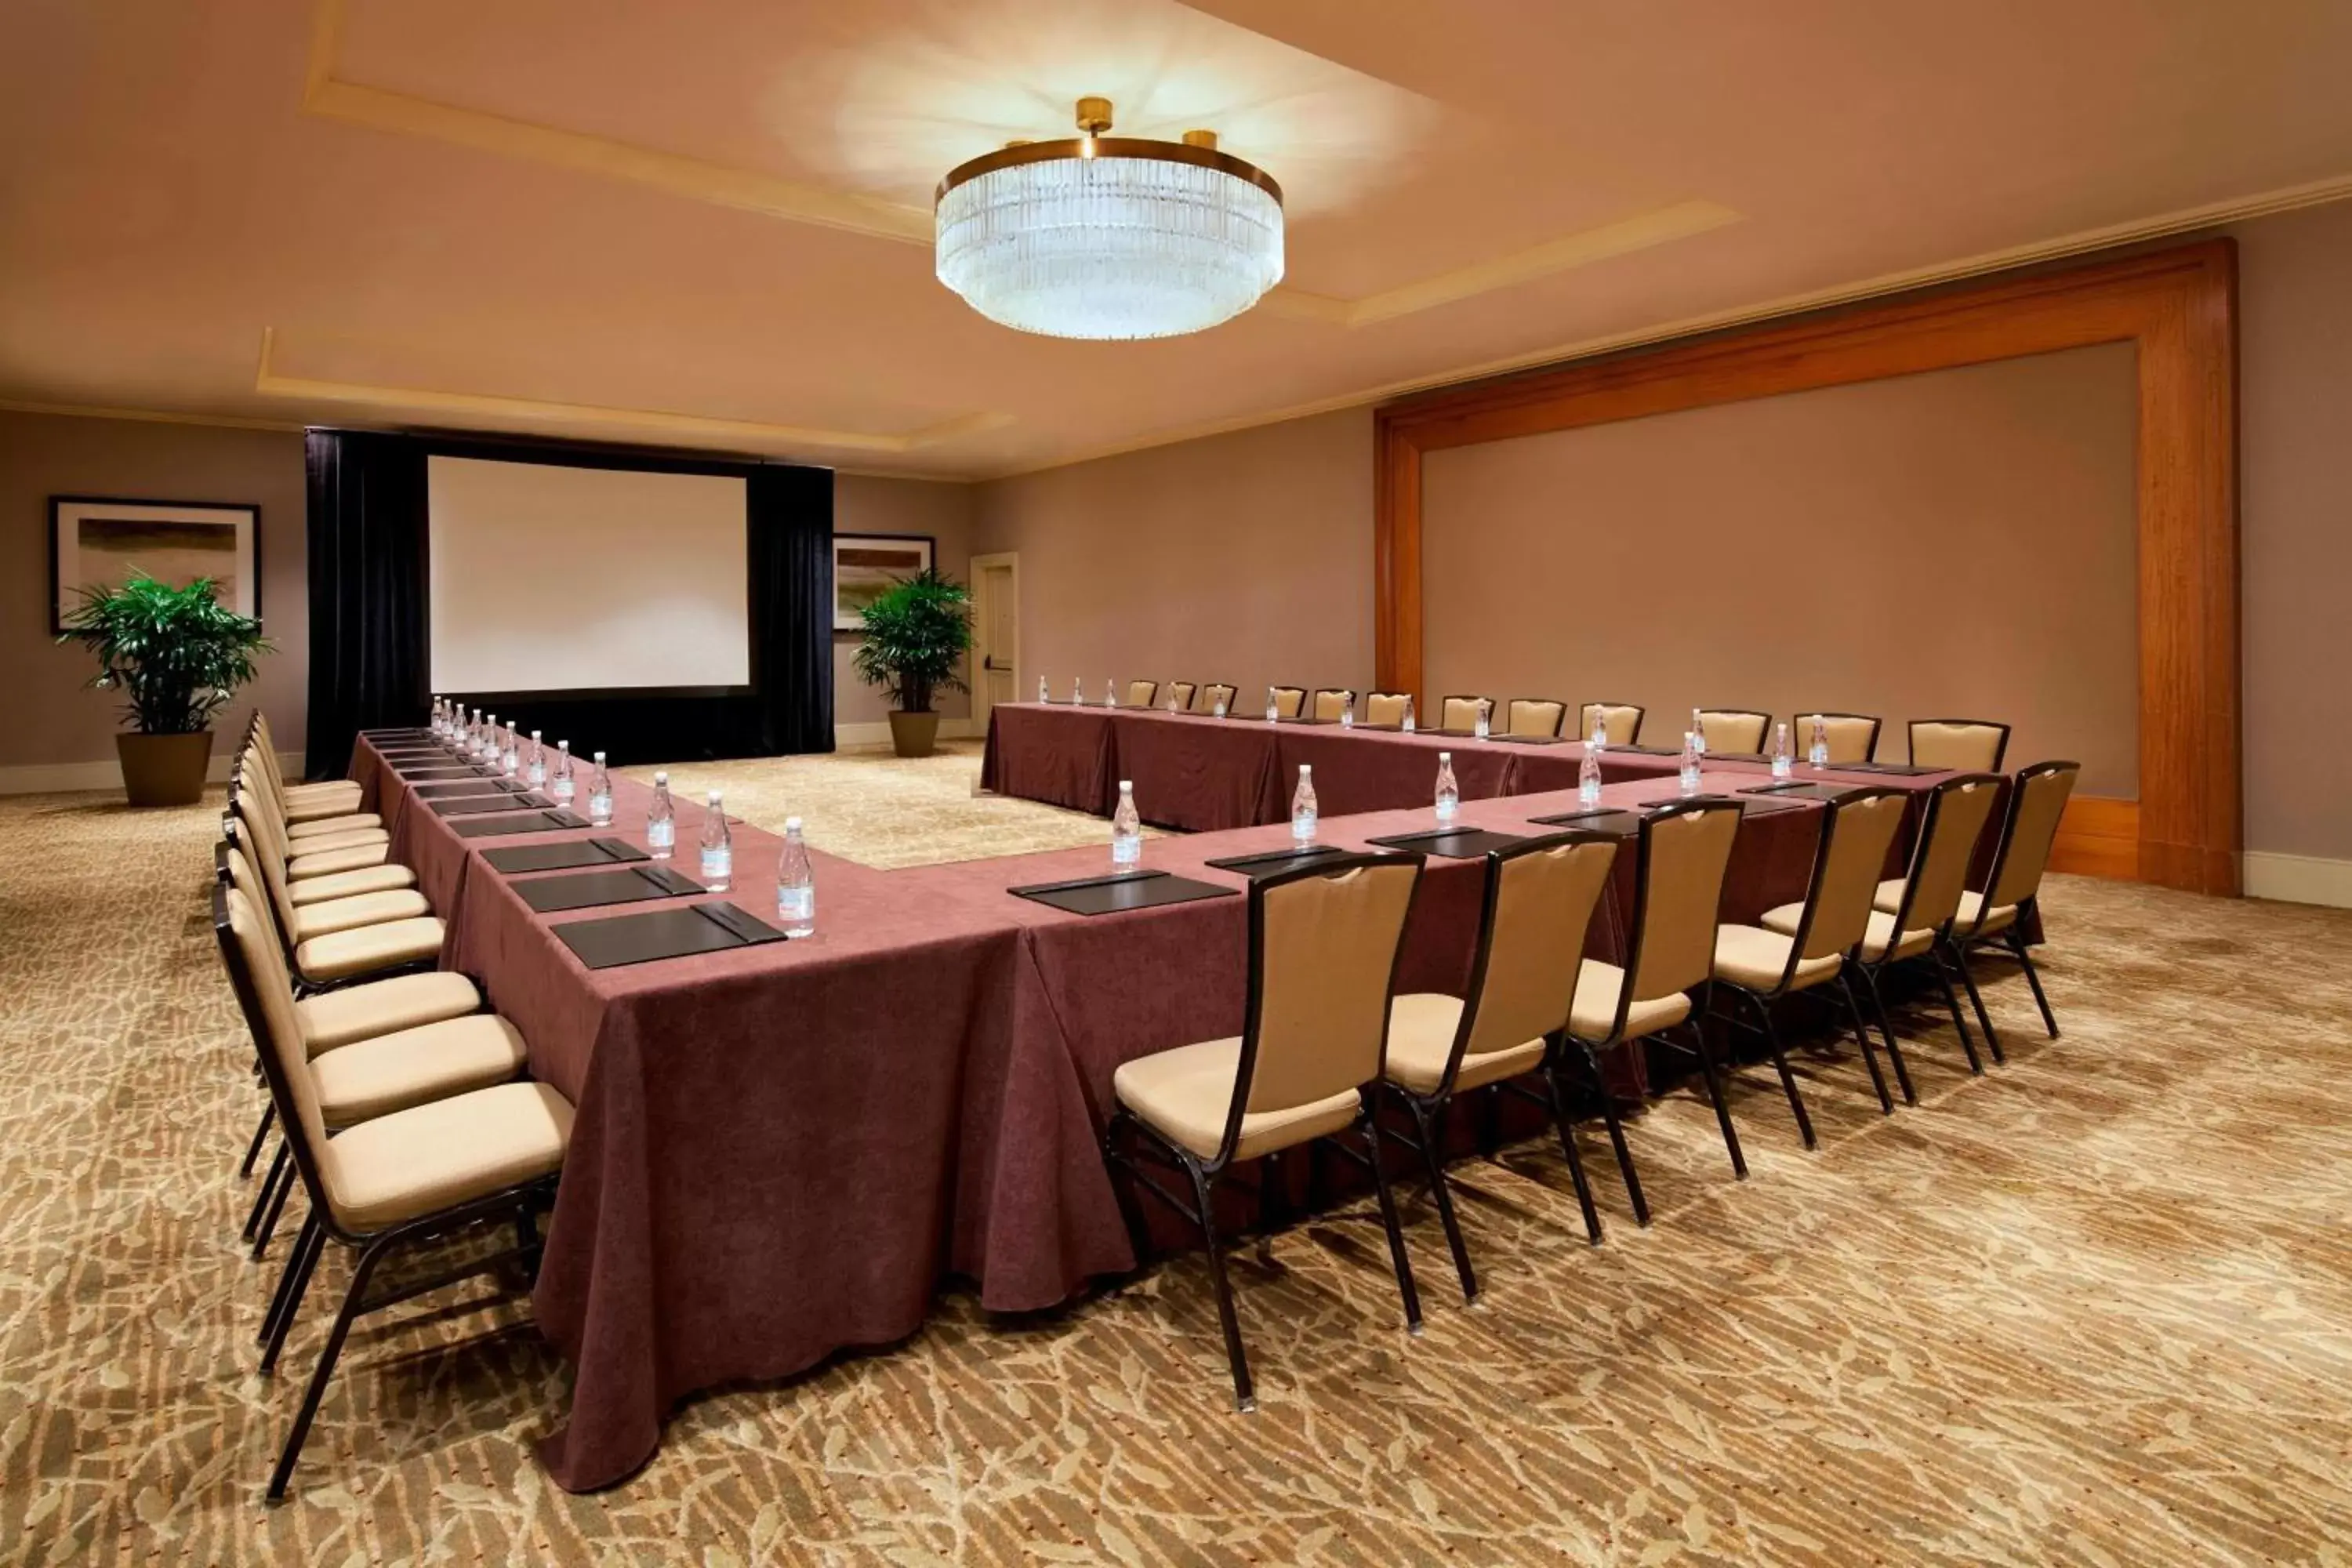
<point>785,1150</point>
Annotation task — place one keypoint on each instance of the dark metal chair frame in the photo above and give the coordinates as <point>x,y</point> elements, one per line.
<point>519,1204</point>
<point>1800,743</point>
<point>1760,1002</point>
<point>1428,1110</point>
<point>1203,1175</point>
<point>1559,722</point>
<point>2013,939</point>
<point>1941,952</point>
<point>2000,750</point>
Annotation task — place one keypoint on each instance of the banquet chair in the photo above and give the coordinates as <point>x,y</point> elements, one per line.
<point>1215,692</point>
<point>335,852</point>
<point>1288,701</point>
<point>1850,737</point>
<point>1734,730</point>
<point>1625,721</point>
<point>248,770</point>
<point>1323,947</point>
<point>1534,716</point>
<point>1683,852</point>
<point>1539,899</point>
<point>1387,708</point>
<point>342,939</point>
<point>2037,803</point>
<point>1970,745</point>
<point>333,797</point>
<point>1332,701</point>
<point>1920,926</point>
<point>377,879</point>
<point>1142,693</point>
<point>1758,966</point>
<point>486,1157</point>
<point>1183,691</point>
<point>1461,713</point>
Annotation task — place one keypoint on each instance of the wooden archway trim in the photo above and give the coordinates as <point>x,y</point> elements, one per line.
<point>2177,306</point>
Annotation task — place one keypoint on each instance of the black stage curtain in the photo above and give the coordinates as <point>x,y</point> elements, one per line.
<point>792,606</point>
<point>368,580</point>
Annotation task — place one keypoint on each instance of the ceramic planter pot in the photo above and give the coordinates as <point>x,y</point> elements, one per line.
<point>914,734</point>
<point>164,770</point>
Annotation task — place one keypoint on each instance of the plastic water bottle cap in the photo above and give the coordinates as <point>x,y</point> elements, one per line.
<point>1304,769</point>
<point>659,778</point>
<point>1445,756</point>
<point>600,756</point>
<point>792,825</point>
<point>714,797</point>
<point>1126,786</point>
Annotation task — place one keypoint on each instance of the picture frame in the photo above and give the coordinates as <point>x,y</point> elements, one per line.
<point>100,541</point>
<point>865,564</point>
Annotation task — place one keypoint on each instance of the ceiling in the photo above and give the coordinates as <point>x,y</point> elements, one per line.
<point>708,224</point>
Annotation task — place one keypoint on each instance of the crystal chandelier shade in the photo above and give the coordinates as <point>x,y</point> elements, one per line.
<point>1109,237</point>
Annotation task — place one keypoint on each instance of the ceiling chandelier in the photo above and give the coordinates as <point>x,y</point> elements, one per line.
<point>1109,237</point>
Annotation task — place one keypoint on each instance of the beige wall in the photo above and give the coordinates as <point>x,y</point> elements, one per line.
<point>1245,557</point>
<point>863,504</point>
<point>52,719</point>
<point>1954,544</point>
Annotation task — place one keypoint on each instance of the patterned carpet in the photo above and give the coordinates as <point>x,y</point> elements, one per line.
<point>2093,1308</point>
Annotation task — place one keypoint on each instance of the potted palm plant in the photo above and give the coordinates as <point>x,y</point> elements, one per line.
<point>917,632</point>
<point>177,654</point>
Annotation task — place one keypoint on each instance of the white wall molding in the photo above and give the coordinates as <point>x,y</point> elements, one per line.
<point>61,778</point>
<point>2298,878</point>
<point>847,735</point>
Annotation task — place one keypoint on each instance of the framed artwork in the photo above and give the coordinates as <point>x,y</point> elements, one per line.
<point>96,542</point>
<point>865,564</point>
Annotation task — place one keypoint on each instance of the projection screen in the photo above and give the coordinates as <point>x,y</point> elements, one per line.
<point>549,578</point>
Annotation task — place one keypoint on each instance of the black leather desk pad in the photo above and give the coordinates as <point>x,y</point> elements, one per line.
<point>1646,751</point>
<point>1599,819</point>
<point>1903,770</point>
<point>1127,890</point>
<point>519,858</point>
<point>1303,718</point>
<point>442,770</point>
<point>1268,862</point>
<point>519,822</point>
<point>409,729</point>
<point>1800,789</point>
<point>664,933</point>
<point>1530,739</point>
<point>625,885</point>
<point>1457,734</point>
<point>1454,843</point>
<point>498,800</point>
<point>470,787</point>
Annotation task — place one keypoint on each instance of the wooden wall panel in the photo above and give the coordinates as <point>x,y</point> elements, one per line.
<point>2177,306</point>
<point>2098,837</point>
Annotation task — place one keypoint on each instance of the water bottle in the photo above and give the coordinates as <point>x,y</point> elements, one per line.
<point>486,747</point>
<point>1041,695</point>
<point>1588,775</point>
<point>535,761</point>
<point>473,746</point>
<point>1110,693</point>
<point>1483,725</point>
<point>795,884</point>
<point>564,788</point>
<point>1077,692</point>
<point>1601,729</point>
<point>1302,807</point>
<point>1273,714</point>
<point>1818,752</point>
<point>510,753</point>
<point>1221,705</point>
<point>1172,697</point>
<point>600,796</point>
<point>1782,766</point>
<point>1126,831</point>
<point>1348,712</point>
<point>1449,794</point>
<point>661,820</point>
<point>1698,734</point>
<point>1692,751</point>
<point>718,849</point>
<point>1404,722</point>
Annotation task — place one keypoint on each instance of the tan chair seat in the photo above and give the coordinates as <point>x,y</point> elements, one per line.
<point>1185,1093</point>
<point>447,1152</point>
<point>361,1082</point>
<point>1595,1010</point>
<point>345,884</point>
<point>328,862</point>
<point>323,789</point>
<point>342,803</point>
<point>1889,896</point>
<point>320,827</point>
<point>1756,958</point>
<point>326,918</point>
<point>1422,1026</point>
<point>347,838</point>
<point>2002,918</point>
<point>367,949</point>
<point>1873,944</point>
<point>404,1001</point>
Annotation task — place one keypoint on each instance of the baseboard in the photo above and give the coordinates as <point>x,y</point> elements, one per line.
<point>845,736</point>
<point>2298,878</point>
<point>62,778</point>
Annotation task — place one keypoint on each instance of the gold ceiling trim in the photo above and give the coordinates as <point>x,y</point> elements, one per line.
<point>691,427</point>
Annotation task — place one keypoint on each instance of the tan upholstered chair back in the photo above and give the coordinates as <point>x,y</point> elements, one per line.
<point>1385,708</point>
<point>1544,899</point>
<point>2039,805</point>
<point>1182,691</point>
<point>1461,713</point>
<point>257,885</point>
<point>1624,722</point>
<point>1939,867</point>
<point>1329,954</point>
<point>1728,730</point>
<point>273,996</point>
<point>266,857</point>
<point>1964,744</point>
<point>1851,737</point>
<point>1858,833</point>
<point>1142,693</point>
<point>1214,692</point>
<point>1289,700</point>
<point>1535,716</point>
<point>1681,890</point>
<point>1329,702</point>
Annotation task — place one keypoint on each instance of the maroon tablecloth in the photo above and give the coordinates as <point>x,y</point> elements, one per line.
<point>1052,753</point>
